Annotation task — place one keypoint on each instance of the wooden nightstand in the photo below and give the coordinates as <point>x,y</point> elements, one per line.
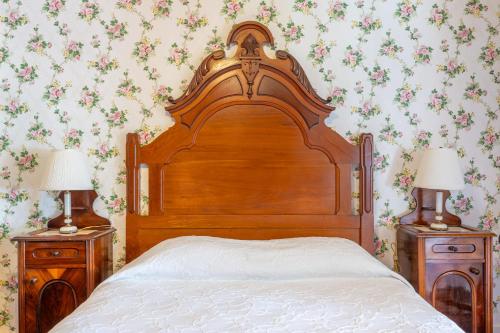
<point>451,269</point>
<point>58,272</point>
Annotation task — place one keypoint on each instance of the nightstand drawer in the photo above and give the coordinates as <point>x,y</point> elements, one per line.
<point>46,253</point>
<point>454,248</point>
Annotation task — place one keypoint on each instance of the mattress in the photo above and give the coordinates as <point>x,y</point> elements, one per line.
<point>207,284</point>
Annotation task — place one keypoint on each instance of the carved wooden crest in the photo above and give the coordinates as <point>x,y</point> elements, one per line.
<point>250,38</point>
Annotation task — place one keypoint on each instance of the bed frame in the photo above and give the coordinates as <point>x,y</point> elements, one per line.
<point>249,157</point>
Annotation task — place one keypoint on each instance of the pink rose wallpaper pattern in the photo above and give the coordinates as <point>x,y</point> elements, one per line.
<point>83,73</point>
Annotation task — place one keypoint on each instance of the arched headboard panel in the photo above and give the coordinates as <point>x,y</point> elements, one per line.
<point>249,157</point>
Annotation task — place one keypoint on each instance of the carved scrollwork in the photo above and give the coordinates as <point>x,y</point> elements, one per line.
<point>200,73</point>
<point>250,38</point>
<point>298,71</point>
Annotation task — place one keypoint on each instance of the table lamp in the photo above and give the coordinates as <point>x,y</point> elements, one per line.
<point>67,171</point>
<point>439,169</point>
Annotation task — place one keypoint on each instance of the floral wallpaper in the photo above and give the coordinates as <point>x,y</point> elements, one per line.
<point>83,73</point>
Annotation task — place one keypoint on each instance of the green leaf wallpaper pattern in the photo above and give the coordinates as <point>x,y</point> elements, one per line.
<point>83,73</point>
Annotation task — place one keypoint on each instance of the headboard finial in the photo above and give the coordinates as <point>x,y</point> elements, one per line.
<point>250,37</point>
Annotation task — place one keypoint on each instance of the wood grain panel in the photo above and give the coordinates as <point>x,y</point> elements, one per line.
<point>425,208</point>
<point>457,293</point>
<point>278,176</point>
<point>226,88</point>
<point>49,308</point>
<point>52,294</point>
<point>82,211</point>
<point>271,87</point>
<point>241,221</point>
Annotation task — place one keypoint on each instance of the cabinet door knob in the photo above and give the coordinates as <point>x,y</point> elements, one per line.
<point>453,248</point>
<point>56,253</point>
<point>474,270</point>
<point>33,280</point>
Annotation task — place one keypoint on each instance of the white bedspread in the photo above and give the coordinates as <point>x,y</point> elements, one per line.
<point>204,284</point>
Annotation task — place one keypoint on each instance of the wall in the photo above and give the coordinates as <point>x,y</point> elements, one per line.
<point>82,74</point>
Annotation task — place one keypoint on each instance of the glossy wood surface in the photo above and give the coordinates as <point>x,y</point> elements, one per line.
<point>452,271</point>
<point>47,253</point>
<point>52,294</point>
<point>57,273</point>
<point>456,290</point>
<point>249,157</point>
<point>82,211</point>
<point>454,248</point>
<point>453,295</point>
<point>236,176</point>
<point>425,208</point>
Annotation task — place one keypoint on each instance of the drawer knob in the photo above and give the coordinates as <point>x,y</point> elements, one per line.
<point>33,280</point>
<point>453,248</point>
<point>474,270</point>
<point>56,253</point>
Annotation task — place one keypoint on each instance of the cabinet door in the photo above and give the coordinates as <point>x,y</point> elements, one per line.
<point>51,295</point>
<point>456,290</point>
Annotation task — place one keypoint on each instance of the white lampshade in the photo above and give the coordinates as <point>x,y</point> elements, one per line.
<point>67,170</point>
<point>439,169</point>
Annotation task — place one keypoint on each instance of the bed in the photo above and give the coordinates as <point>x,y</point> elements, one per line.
<point>209,284</point>
<point>259,216</point>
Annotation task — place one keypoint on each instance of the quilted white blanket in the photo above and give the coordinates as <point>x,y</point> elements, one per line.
<point>206,284</point>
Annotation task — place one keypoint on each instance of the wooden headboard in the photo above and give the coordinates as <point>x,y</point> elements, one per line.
<point>249,157</point>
